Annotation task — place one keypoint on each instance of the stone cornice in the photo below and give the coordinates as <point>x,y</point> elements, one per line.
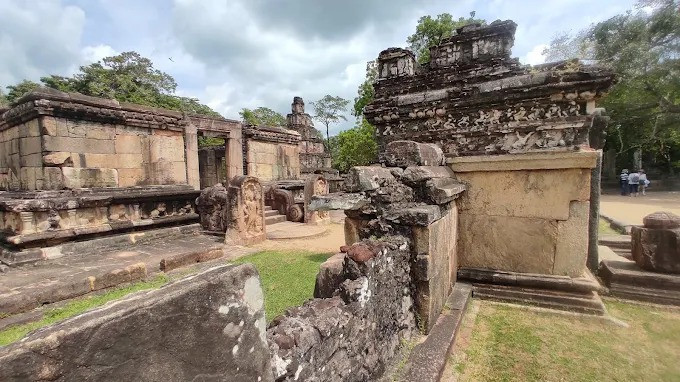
<point>272,134</point>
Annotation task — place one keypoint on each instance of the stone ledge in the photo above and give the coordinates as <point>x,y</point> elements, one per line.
<point>528,161</point>
<point>584,284</point>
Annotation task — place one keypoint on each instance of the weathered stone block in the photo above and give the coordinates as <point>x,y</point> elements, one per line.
<point>329,277</point>
<point>444,190</point>
<point>366,178</point>
<point>416,174</point>
<point>48,125</point>
<point>89,177</point>
<point>657,249</point>
<point>56,158</point>
<point>128,144</point>
<point>572,241</point>
<point>410,153</point>
<point>507,243</point>
<point>419,215</point>
<point>77,145</point>
<point>352,230</point>
<point>30,145</point>
<point>31,160</point>
<point>661,220</point>
<point>245,217</point>
<point>128,177</point>
<point>211,324</point>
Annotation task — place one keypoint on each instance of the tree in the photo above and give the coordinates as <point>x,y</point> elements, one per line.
<point>127,77</point>
<point>262,116</point>
<point>355,147</point>
<point>432,31</point>
<point>3,99</point>
<point>328,110</point>
<point>643,47</point>
<point>14,92</point>
<point>366,91</point>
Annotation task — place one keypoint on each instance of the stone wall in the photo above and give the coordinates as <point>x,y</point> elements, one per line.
<point>59,140</point>
<point>313,155</point>
<point>271,153</point>
<point>210,326</point>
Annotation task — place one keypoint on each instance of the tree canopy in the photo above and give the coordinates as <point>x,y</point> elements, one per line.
<point>262,116</point>
<point>329,110</point>
<point>355,147</point>
<point>643,47</point>
<point>366,91</point>
<point>127,77</point>
<point>431,31</point>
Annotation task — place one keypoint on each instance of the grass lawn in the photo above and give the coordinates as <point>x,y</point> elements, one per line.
<point>77,306</point>
<point>606,229</point>
<point>506,343</point>
<point>287,277</point>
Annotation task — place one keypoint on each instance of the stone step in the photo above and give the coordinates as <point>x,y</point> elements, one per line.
<point>274,219</point>
<point>268,213</point>
<point>268,208</point>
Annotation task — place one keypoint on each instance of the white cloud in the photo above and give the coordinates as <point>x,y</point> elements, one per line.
<point>535,56</point>
<point>90,54</point>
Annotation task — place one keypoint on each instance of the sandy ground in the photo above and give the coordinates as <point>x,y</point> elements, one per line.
<point>631,210</point>
<point>328,242</point>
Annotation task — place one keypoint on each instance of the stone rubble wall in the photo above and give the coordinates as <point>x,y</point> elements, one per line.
<point>209,326</point>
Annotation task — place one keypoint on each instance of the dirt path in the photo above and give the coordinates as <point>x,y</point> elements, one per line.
<point>328,242</point>
<point>631,210</point>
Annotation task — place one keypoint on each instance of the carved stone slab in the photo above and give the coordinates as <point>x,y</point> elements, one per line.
<point>245,223</point>
<point>315,185</point>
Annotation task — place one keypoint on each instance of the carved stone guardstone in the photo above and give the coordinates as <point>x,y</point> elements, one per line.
<point>656,246</point>
<point>315,185</point>
<point>212,206</point>
<point>245,223</point>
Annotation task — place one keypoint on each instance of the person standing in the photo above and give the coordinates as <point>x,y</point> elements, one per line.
<point>623,181</point>
<point>633,183</point>
<point>644,182</point>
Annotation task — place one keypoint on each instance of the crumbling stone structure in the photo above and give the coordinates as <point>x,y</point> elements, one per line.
<point>656,245</point>
<point>516,135</point>
<point>313,155</point>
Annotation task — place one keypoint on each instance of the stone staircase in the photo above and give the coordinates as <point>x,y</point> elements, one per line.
<point>272,216</point>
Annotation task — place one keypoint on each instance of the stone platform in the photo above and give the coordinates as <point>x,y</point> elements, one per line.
<point>626,280</point>
<point>290,230</point>
<point>106,262</point>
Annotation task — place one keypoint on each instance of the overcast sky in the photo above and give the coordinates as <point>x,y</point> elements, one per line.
<point>232,54</point>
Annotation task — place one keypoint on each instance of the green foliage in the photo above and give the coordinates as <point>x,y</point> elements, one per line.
<point>14,92</point>
<point>643,47</point>
<point>127,77</point>
<point>366,91</point>
<point>210,141</point>
<point>329,110</point>
<point>262,116</point>
<point>287,277</point>
<point>3,99</point>
<point>78,306</point>
<point>431,31</point>
<point>355,147</point>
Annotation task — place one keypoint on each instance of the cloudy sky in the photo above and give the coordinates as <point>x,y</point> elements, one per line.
<point>232,54</point>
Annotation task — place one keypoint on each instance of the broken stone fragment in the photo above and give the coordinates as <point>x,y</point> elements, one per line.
<point>366,178</point>
<point>416,174</point>
<point>329,277</point>
<point>418,215</point>
<point>360,252</point>
<point>56,158</point>
<point>656,246</point>
<point>410,153</point>
<point>444,190</point>
<point>337,201</point>
<point>661,219</point>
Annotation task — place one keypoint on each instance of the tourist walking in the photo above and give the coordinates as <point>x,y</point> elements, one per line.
<point>644,182</point>
<point>633,183</point>
<point>623,181</point>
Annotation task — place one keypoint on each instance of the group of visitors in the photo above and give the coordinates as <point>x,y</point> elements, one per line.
<point>634,182</point>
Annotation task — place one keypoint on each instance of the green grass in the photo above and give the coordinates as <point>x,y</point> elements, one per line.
<point>78,306</point>
<point>287,277</point>
<point>606,229</point>
<point>512,344</point>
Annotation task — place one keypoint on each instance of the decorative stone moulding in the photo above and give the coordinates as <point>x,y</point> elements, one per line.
<point>41,217</point>
<point>245,223</point>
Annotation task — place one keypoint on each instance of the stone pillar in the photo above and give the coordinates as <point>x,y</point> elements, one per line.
<point>191,151</point>
<point>396,62</point>
<point>27,224</point>
<point>593,260</point>
<point>245,220</point>
<point>656,245</point>
<point>234,154</point>
<point>315,185</point>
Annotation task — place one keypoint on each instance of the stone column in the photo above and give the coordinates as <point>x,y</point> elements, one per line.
<point>234,154</point>
<point>245,222</point>
<point>593,259</point>
<point>27,225</point>
<point>191,149</point>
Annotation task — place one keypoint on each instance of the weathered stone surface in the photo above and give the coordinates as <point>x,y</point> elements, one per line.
<point>315,185</point>
<point>444,190</point>
<point>507,243</point>
<point>56,158</point>
<point>352,336</point>
<point>89,177</point>
<point>337,201</point>
<point>352,230</point>
<point>419,215</point>
<point>211,324</point>
<point>410,153</point>
<point>212,206</point>
<point>661,220</point>
<point>544,194</point>
<point>656,250</point>
<point>313,155</point>
<point>435,267</point>
<point>245,220</point>
<point>329,277</point>
<point>366,178</point>
<point>416,174</point>
<point>572,244</point>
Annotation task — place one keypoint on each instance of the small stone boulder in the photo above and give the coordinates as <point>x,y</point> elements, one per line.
<point>410,153</point>
<point>656,246</point>
<point>329,277</point>
<point>416,174</point>
<point>366,178</point>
